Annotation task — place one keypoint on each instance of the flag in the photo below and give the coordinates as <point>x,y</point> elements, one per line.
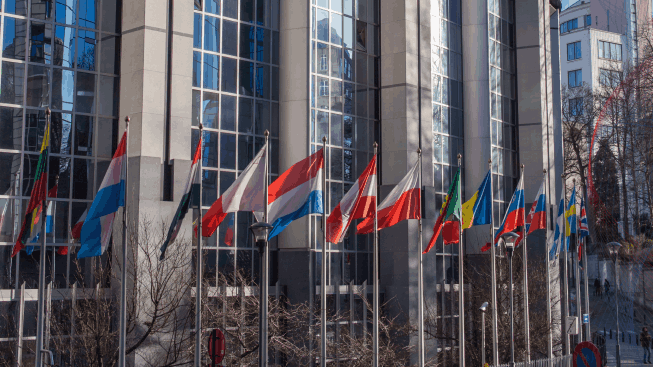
<point>485,247</point>
<point>536,218</point>
<point>451,206</point>
<point>37,225</point>
<point>584,229</point>
<point>76,230</point>
<point>451,232</point>
<point>402,203</point>
<point>38,194</point>
<point>478,209</point>
<point>559,234</point>
<point>245,194</point>
<point>359,202</point>
<point>570,214</point>
<point>184,203</point>
<point>296,193</point>
<point>514,216</point>
<point>229,233</point>
<point>96,231</point>
<point>62,250</point>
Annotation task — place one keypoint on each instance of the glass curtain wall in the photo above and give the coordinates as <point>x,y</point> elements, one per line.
<point>64,55</point>
<point>236,98</point>
<point>447,128</point>
<point>344,107</point>
<point>505,171</point>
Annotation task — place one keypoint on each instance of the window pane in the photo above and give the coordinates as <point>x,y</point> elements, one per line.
<point>228,115</point>
<point>578,51</point>
<point>228,151</point>
<point>63,89</point>
<point>197,30</point>
<point>83,135</point>
<point>108,102</point>
<point>229,75</point>
<point>197,68</point>
<point>107,128</point>
<point>86,51</point>
<point>11,130</point>
<point>210,110</point>
<point>336,28</point>
<point>336,95</point>
<point>230,8</point>
<point>85,101</point>
<point>322,19</point>
<point>209,149</point>
<point>40,48</point>
<point>230,38</point>
<point>262,81</point>
<point>110,48</point>
<point>14,38</point>
<point>246,78</point>
<point>87,13</point>
<point>83,171</point>
<point>262,117</point>
<point>211,71</point>
<point>247,10</point>
<point>212,34</point>
<point>263,42</point>
<point>212,6</point>
<point>111,16</point>
<point>38,87</point>
<point>18,7</point>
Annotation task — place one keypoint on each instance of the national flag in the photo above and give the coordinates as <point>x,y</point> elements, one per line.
<point>229,233</point>
<point>450,206</point>
<point>570,214</point>
<point>359,202</point>
<point>247,193</point>
<point>97,228</point>
<point>296,193</point>
<point>37,225</point>
<point>536,218</point>
<point>451,232</point>
<point>38,193</point>
<point>184,203</point>
<point>584,228</point>
<point>402,203</point>
<point>514,216</point>
<point>559,232</point>
<point>486,247</point>
<point>478,209</point>
<point>62,250</point>
<point>76,230</point>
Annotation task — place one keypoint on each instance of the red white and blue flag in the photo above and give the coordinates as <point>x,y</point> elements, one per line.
<point>96,231</point>
<point>296,193</point>
<point>536,218</point>
<point>584,229</point>
<point>514,216</point>
<point>359,202</point>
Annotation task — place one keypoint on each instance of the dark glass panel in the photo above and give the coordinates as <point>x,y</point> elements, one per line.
<point>210,110</point>
<point>247,10</point>
<point>228,151</point>
<point>11,128</point>
<point>110,50</point>
<point>83,177</point>
<point>262,81</point>
<point>86,50</point>
<point>209,187</point>
<point>61,132</point>
<point>60,166</point>
<point>111,15</point>
<point>40,43</point>
<point>228,115</point>
<point>263,43</point>
<point>247,42</point>
<point>13,45</point>
<point>230,8</point>
<point>197,30</point>
<point>197,67</point>
<point>84,135</point>
<point>108,102</point>
<point>274,131</point>
<point>210,149</point>
<point>246,78</point>
<point>245,150</point>
<point>107,141</point>
<point>229,75</point>
<point>195,115</point>
<point>229,38</point>
<point>245,114</point>
<point>38,86</point>
<point>275,48</point>
<point>85,101</point>
<point>9,166</point>
<point>262,116</point>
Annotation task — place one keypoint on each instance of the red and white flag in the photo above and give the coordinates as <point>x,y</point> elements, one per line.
<point>402,203</point>
<point>245,194</point>
<point>358,203</point>
<point>76,230</point>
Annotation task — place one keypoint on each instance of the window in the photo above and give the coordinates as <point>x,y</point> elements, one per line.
<point>324,88</point>
<point>609,50</point>
<point>324,63</point>
<point>576,106</point>
<point>573,51</point>
<point>610,78</point>
<point>588,20</point>
<point>569,26</point>
<point>575,78</point>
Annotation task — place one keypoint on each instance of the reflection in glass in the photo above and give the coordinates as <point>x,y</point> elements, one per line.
<point>209,187</point>
<point>245,150</point>
<point>348,32</point>
<point>336,130</point>
<point>229,38</point>
<point>247,43</point>
<point>63,89</point>
<point>18,7</point>
<point>210,109</point>
<point>197,30</point>
<point>336,28</point>
<point>195,108</point>
<point>34,130</point>
<point>83,135</point>
<point>336,62</point>
<point>40,48</point>
<point>85,100</point>
<point>229,75</point>
<point>211,71</point>
<point>230,8</point>
<point>210,149</point>
<point>212,34</point>
<point>64,46</point>
<point>322,21</point>
<point>212,6</point>
<point>247,10</point>
<point>262,81</point>
<point>38,86</point>
<point>263,44</point>
<point>246,78</point>
<point>11,128</point>
<point>13,44</point>
<point>262,117</point>
<point>336,95</point>
<point>87,13</point>
<point>245,115</point>
<point>228,116</point>
<point>83,177</point>
<point>228,151</point>
<point>60,133</point>
<point>197,67</point>
<point>86,51</point>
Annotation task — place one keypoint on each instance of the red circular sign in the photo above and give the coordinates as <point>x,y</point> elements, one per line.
<point>217,346</point>
<point>586,354</point>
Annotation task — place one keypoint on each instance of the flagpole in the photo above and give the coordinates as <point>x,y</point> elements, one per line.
<point>577,270</point>
<point>375,261</point>
<point>323,328</point>
<point>527,325</point>
<point>547,263</point>
<point>420,276</point>
<point>123,270</point>
<point>265,283</point>
<point>461,282</point>
<point>493,269</point>
<point>40,318</point>
<point>198,267</point>
<point>565,286</point>
<point>588,336</point>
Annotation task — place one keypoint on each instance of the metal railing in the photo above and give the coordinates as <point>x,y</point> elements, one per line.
<point>564,361</point>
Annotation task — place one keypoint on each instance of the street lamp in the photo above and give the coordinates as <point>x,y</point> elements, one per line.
<point>483,309</point>
<point>260,232</point>
<point>613,247</point>
<point>509,240</point>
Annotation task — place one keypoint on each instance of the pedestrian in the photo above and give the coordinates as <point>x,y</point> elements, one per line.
<point>606,286</point>
<point>597,287</point>
<point>646,344</point>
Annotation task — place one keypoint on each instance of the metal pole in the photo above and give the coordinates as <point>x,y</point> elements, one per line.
<point>512,311</point>
<point>483,338</point>
<point>375,283</point>
<point>616,301</point>
<point>40,318</point>
<point>461,281</point>
<point>265,272</point>
<point>323,305</point>
<point>565,285</point>
<point>579,310</point>
<point>527,324</point>
<point>123,271</point>
<point>493,268</point>
<point>547,262</point>
<point>588,330</point>
<point>198,266</point>
<point>420,277</point>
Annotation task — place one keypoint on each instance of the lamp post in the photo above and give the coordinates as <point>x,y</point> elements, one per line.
<point>483,309</point>
<point>260,232</point>
<point>509,240</point>
<point>613,247</point>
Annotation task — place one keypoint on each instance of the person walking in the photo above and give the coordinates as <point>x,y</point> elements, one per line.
<point>646,344</point>
<point>606,286</point>
<point>597,287</point>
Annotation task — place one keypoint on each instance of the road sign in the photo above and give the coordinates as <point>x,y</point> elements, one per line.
<point>586,354</point>
<point>216,347</point>
<point>572,325</point>
<point>586,318</point>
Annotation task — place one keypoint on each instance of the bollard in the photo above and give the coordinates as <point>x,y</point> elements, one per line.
<point>630,341</point>
<point>605,335</point>
<point>610,333</point>
<point>636,339</point>
<point>623,337</point>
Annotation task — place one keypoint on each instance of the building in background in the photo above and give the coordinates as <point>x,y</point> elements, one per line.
<point>452,76</point>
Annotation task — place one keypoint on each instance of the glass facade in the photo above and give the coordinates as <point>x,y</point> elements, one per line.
<point>64,55</point>
<point>503,112</point>
<point>236,97</point>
